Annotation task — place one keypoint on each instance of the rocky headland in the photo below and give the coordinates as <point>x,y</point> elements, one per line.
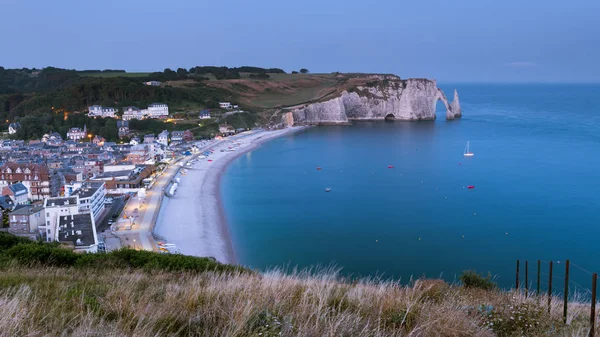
<point>377,97</point>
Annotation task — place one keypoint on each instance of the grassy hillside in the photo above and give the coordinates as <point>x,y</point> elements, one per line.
<point>48,291</point>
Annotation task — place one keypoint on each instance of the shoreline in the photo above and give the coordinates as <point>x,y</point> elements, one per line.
<point>197,220</point>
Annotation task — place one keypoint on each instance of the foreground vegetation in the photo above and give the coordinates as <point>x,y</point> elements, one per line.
<point>56,293</point>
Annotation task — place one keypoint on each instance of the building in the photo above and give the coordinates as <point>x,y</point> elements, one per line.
<point>226,129</point>
<point>158,110</point>
<point>126,179</point>
<point>13,127</point>
<point>76,134</point>
<point>177,136</point>
<point>98,140</point>
<point>77,231</point>
<point>53,208</point>
<point>188,135</point>
<point>225,105</point>
<point>204,114</point>
<point>132,112</point>
<point>123,127</point>
<point>153,83</point>
<point>40,181</point>
<point>91,196</point>
<point>100,111</point>
<point>17,192</point>
<point>26,219</point>
<point>149,138</point>
<point>163,137</point>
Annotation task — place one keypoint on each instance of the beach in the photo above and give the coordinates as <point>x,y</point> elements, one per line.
<point>193,219</point>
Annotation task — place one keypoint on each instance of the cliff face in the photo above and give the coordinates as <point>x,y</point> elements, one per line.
<point>411,99</point>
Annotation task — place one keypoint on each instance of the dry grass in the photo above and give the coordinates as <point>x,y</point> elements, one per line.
<point>84,302</point>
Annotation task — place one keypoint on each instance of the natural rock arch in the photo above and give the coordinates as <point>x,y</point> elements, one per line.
<point>452,109</point>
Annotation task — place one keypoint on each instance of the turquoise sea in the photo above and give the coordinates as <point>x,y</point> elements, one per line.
<point>536,173</point>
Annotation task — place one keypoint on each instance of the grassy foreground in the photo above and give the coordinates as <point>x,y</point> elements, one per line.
<point>124,300</point>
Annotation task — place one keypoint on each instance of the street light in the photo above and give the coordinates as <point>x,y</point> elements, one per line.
<point>134,247</point>
<point>90,137</point>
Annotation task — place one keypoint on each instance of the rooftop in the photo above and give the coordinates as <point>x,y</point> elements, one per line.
<point>76,229</point>
<point>61,201</point>
<point>88,189</point>
<point>27,209</point>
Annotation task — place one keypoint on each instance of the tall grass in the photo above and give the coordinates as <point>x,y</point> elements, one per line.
<point>48,291</point>
<point>54,301</point>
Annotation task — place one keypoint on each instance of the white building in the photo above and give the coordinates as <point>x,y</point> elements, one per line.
<point>163,138</point>
<point>91,196</point>
<point>153,83</point>
<point>13,127</point>
<point>77,134</point>
<point>132,112</point>
<point>100,111</point>
<point>225,105</point>
<point>158,110</point>
<point>177,136</point>
<point>55,207</point>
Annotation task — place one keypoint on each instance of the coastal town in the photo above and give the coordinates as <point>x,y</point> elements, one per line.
<point>93,195</point>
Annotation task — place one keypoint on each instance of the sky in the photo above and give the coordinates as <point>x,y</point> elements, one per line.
<point>451,41</point>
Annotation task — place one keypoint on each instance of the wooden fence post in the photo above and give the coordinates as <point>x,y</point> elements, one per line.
<point>517,281</point>
<point>593,311</point>
<point>526,278</point>
<point>550,287</point>
<point>566,292</point>
<point>538,278</point>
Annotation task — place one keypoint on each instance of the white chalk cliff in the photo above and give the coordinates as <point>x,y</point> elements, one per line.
<point>387,97</point>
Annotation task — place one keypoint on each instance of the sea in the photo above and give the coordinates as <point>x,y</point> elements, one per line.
<point>536,196</point>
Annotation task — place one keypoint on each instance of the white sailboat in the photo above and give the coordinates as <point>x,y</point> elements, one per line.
<point>468,152</point>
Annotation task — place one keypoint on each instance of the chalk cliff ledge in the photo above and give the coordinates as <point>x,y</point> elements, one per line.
<point>377,97</point>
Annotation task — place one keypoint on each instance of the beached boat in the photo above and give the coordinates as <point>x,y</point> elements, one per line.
<point>468,152</point>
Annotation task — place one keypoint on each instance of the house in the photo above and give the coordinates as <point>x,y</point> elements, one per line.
<point>26,219</point>
<point>53,208</point>
<point>226,129</point>
<point>177,136</point>
<point>158,110</point>
<point>188,135</point>
<point>123,127</point>
<point>77,231</point>
<point>100,111</point>
<point>163,138</point>
<point>91,196</point>
<point>225,105</point>
<point>98,140</point>
<point>6,203</point>
<point>149,138</point>
<point>40,181</point>
<point>132,112</point>
<point>13,127</point>
<point>17,192</point>
<point>76,134</point>
<point>135,141</point>
<point>54,139</point>
<point>205,114</point>
<point>153,83</point>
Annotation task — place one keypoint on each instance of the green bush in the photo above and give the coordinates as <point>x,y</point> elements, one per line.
<point>26,252</point>
<point>471,279</point>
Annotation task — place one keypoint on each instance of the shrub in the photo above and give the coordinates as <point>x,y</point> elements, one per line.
<point>471,279</point>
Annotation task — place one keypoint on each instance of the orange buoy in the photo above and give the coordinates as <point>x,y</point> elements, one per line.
<point>390,166</point>
<point>318,168</point>
<point>471,186</point>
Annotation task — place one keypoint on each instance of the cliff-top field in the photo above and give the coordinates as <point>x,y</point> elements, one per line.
<point>46,290</point>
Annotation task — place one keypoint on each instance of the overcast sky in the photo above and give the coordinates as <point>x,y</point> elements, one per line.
<point>461,40</point>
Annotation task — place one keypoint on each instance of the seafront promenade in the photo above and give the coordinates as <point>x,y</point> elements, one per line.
<point>144,220</point>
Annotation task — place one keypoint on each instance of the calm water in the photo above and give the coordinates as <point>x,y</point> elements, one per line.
<point>535,170</point>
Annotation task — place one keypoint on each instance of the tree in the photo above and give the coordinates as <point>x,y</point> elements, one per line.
<point>304,71</point>
<point>182,72</point>
<point>294,72</point>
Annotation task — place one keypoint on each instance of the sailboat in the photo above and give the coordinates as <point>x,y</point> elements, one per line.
<point>468,152</point>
